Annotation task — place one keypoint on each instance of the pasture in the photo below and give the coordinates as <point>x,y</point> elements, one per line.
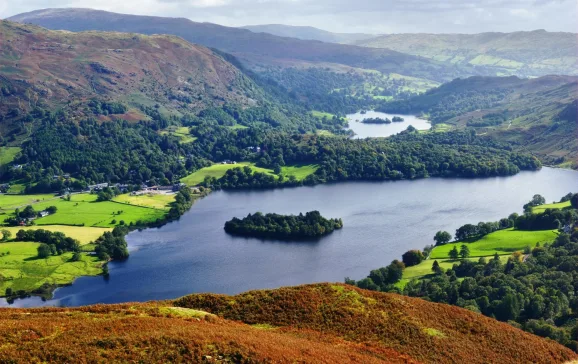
<point>503,242</point>
<point>218,171</point>
<point>22,270</point>
<point>300,171</point>
<point>555,206</point>
<point>83,234</point>
<point>158,201</point>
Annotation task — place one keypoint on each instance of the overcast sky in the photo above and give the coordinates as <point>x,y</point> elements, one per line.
<point>347,16</point>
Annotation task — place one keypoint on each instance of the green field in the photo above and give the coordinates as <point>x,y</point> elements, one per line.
<point>218,171</point>
<point>555,206</point>
<point>21,270</point>
<point>501,242</point>
<point>155,201</point>
<point>11,202</point>
<point>321,114</point>
<point>183,133</point>
<point>7,154</point>
<point>300,171</point>
<point>83,234</point>
<point>424,268</point>
<point>83,210</point>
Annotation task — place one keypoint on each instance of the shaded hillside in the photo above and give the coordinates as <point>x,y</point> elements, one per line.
<point>537,115</point>
<point>53,69</point>
<point>309,33</point>
<point>535,53</point>
<point>256,49</point>
<point>315,323</point>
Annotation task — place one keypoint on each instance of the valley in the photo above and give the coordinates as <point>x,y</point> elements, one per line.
<point>194,168</point>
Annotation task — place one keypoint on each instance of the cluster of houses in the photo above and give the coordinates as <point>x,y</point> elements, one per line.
<point>227,161</point>
<point>143,188</point>
<point>254,149</point>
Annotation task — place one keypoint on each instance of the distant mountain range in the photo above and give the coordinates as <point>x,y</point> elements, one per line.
<point>256,50</point>
<point>309,33</point>
<point>535,53</point>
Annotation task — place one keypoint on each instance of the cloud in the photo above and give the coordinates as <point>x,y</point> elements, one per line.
<point>374,16</point>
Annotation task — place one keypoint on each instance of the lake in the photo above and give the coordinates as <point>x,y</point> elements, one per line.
<point>382,220</point>
<point>362,130</point>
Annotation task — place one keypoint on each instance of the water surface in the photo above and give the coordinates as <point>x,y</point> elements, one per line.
<point>382,220</point>
<point>383,130</point>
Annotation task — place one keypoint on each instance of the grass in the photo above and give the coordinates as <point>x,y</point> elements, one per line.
<point>11,202</point>
<point>81,233</point>
<point>21,270</point>
<point>7,154</point>
<point>183,133</point>
<point>555,206</point>
<point>218,171</point>
<point>321,114</point>
<point>83,210</point>
<point>155,201</point>
<point>300,171</point>
<point>424,268</point>
<point>501,242</point>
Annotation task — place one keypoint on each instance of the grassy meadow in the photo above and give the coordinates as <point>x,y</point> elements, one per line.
<point>218,171</point>
<point>83,234</point>
<point>22,270</point>
<point>183,133</point>
<point>7,154</point>
<point>555,206</point>
<point>300,171</point>
<point>503,242</point>
<point>155,201</point>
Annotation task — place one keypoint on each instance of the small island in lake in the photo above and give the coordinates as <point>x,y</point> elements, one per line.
<point>310,225</point>
<point>376,121</point>
<point>397,119</point>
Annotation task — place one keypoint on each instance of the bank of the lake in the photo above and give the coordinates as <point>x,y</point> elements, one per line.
<point>382,220</point>
<point>362,130</point>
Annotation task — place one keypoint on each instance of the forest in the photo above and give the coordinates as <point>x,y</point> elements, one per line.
<point>310,225</point>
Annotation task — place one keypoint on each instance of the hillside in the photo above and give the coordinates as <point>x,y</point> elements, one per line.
<point>257,50</point>
<point>56,69</point>
<point>535,53</point>
<point>537,115</point>
<point>314,323</point>
<point>309,33</point>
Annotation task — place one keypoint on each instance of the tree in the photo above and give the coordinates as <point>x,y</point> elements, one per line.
<point>537,200</point>
<point>44,251</point>
<point>454,253</point>
<point>76,257</point>
<point>436,267</point>
<point>464,251</point>
<point>442,237</point>
<point>574,201</point>
<point>412,257</point>
<point>6,235</point>
<point>52,209</point>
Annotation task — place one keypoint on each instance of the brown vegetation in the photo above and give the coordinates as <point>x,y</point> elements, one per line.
<point>315,323</point>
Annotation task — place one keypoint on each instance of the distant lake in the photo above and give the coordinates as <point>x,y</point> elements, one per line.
<point>382,220</point>
<point>383,130</point>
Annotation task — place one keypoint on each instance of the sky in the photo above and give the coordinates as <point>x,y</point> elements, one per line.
<point>345,16</point>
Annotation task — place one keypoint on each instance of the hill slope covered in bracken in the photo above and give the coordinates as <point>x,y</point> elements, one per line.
<point>40,68</point>
<point>314,323</point>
